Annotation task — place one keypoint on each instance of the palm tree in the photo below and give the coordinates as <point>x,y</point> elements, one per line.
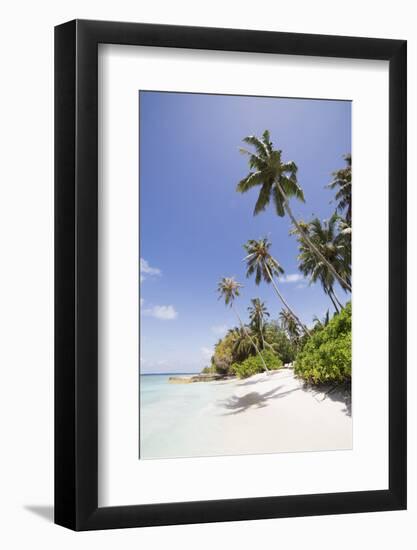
<point>289,325</point>
<point>344,241</point>
<point>265,267</point>
<point>321,323</point>
<point>342,180</point>
<point>257,314</point>
<point>333,245</point>
<point>242,345</point>
<point>228,289</point>
<point>278,180</point>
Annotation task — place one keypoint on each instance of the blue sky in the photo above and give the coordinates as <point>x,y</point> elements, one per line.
<point>194,223</point>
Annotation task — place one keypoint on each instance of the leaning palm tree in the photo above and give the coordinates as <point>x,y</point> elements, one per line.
<point>342,181</point>
<point>277,180</point>
<point>289,325</point>
<point>333,245</point>
<point>257,314</point>
<point>242,345</point>
<point>321,323</point>
<point>344,241</point>
<point>265,267</point>
<point>228,289</point>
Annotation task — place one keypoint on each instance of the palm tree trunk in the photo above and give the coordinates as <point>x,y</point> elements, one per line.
<point>250,338</point>
<point>328,290</point>
<point>262,334</point>
<point>337,299</point>
<point>281,297</point>
<point>312,246</point>
<point>329,294</point>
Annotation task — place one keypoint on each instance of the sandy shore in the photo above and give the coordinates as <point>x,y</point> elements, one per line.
<point>262,414</point>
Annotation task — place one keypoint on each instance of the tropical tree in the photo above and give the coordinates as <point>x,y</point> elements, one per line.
<point>342,181</point>
<point>257,315</point>
<point>229,289</point>
<point>223,356</point>
<point>344,242</point>
<point>242,345</point>
<point>321,323</point>
<point>292,330</point>
<point>277,180</point>
<point>289,325</point>
<point>334,246</point>
<point>260,262</point>
<point>279,341</point>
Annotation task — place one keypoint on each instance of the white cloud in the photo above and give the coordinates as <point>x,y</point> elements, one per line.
<point>219,330</point>
<point>165,313</point>
<point>146,269</point>
<point>206,352</point>
<point>141,302</point>
<point>291,278</point>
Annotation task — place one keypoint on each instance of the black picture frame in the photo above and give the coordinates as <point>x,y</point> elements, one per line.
<point>76,272</point>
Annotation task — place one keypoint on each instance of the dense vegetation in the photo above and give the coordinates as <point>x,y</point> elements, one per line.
<point>321,353</point>
<point>235,355</point>
<point>253,365</point>
<point>327,355</point>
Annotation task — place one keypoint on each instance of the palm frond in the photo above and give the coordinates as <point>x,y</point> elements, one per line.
<point>278,202</point>
<point>269,171</point>
<point>251,180</point>
<point>291,188</point>
<point>259,145</point>
<point>263,198</point>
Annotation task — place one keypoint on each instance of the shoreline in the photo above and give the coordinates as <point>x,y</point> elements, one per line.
<point>265,413</point>
<point>187,378</point>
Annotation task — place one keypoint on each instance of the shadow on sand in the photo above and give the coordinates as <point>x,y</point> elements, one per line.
<point>334,393</point>
<point>241,404</point>
<point>344,397</point>
<point>267,378</point>
<point>253,399</point>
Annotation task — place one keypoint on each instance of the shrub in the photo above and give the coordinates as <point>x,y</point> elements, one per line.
<point>208,370</point>
<point>253,365</point>
<point>284,348</point>
<point>222,358</point>
<point>327,355</point>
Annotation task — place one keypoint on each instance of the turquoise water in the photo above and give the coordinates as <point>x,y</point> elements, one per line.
<point>175,418</point>
<point>264,414</point>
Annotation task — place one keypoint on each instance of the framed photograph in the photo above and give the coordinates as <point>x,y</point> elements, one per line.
<point>230,337</point>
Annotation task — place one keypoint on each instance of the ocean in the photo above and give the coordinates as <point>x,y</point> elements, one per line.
<point>176,419</point>
<point>263,414</point>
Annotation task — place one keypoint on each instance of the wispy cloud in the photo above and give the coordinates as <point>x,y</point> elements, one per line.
<point>146,269</point>
<point>165,313</point>
<point>219,330</point>
<point>291,278</point>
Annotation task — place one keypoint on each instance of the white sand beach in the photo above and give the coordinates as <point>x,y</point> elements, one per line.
<point>261,414</point>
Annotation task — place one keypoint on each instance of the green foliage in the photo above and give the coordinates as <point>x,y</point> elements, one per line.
<point>342,183</point>
<point>253,365</point>
<point>327,355</point>
<point>270,173</point>
<point>332,238</point>
<point>260,262</point>
<point>223,357</point>
<point>235,347</point>
<point>281,344</point>
<point>228,289</point>
<point>208,370</point>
